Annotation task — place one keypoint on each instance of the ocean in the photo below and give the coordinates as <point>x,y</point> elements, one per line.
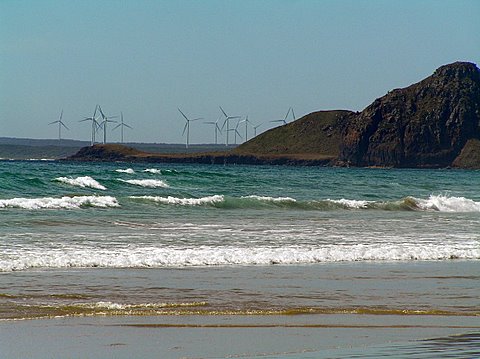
<point>161,240</point>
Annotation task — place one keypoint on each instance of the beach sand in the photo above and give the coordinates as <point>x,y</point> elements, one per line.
<point>185,336</point>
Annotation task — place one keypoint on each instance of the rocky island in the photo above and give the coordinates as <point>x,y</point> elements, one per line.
<point>434,123</point>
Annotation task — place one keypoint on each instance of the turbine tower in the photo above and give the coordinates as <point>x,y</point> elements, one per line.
<point>106,119</point>
<point>227,122</point>
<point>95,124</point>
<point>60,124</point>
<point>247,122</point>
<point>216,127</point>
<point>187,127</point>
<point>121,125</point>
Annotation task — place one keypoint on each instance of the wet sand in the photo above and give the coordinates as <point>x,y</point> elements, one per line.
<point>297,336</point>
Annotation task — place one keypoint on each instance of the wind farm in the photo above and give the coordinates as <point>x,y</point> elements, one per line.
<point>230,129</point>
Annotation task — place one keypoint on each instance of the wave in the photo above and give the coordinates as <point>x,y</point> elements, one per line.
<point>164,257</point>
<point>433,203</point>
<point>205,308</point>
<point>150,183</point>
<point>211,200</point>
<point>152,170</point>
<point>128,170</point>
<point>444,203</point>
<point>60,203</point>
<point>84,181</point>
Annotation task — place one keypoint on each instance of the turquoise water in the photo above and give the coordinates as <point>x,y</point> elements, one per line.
<point>64,215</point>
<point>96,239</point>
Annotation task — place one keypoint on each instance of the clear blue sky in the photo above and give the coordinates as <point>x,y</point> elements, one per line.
<point>256,58</point>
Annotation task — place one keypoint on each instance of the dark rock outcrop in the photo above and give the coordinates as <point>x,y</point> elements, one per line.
<point>424,125</point>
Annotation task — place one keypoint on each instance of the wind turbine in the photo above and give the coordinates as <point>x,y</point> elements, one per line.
<point>187,126</point>
<point>121,125</point>
<point>255,129</point>
<point>285,119</point>
<point>235,130</point>
<point>247,122</point>
<point>227,122</point>
<point>103,124</point>
<point>60,124</point>
<point>95,124</point>
<point>217,128</point>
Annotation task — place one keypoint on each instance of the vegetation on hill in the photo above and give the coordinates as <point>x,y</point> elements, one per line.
<point>316,133</point>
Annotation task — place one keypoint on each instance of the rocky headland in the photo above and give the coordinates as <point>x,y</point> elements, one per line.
<point>434,123</point>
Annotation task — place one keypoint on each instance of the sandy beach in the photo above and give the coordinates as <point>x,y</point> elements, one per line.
<point>301,336</point>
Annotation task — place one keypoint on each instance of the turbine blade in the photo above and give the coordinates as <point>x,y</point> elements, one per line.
<point>61,115</point>
<point>61,123</point>
<point>117,126</point>
<point>186,118</point>
<point>293,114</point>
<point>223,111</point>
<point>101,112</point>
<point>196,119</point>
<point>185,128</point>
<point>124,124</point>
<point>285,119</point>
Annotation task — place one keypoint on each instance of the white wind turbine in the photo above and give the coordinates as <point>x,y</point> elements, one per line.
<point>247,122</point>
<point>60,124</point>
<point>103,124</point>
<point>235,131</point>
<point>187,126</point>
<point>227,122</point>
<point>255,129</point>
<point>95,124</point>
<point>286,116</point>
<point>216,127</point>
<point>121,125</point>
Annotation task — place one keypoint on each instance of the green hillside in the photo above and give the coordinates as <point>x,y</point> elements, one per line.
<point>316,133</point>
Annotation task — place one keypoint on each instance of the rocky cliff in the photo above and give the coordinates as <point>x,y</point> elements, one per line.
<point>424,125</point>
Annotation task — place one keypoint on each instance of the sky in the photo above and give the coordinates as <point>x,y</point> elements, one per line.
<point>148,58</point>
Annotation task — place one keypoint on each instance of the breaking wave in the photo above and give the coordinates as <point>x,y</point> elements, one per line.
<point>433,203</point>
<point>128,170</point>
<point>84,181</point>
<point>211,200</point>
<point>160,257</point>
<point>152,170</point>
<point>60,203</point>
<point>150,183</point>
<point>448,204</point>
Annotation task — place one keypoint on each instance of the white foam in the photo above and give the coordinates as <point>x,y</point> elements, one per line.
<point>120,306</point>
<point>150,183</point>
<point>152,170</point>
<point>85,181</point>
<point>128,170</point>
<point>183,201</point>
<point>271,199</point>
<point>351,203</point>
<point>59,203</point>
<point>161,256</point>
<point>444,203</point>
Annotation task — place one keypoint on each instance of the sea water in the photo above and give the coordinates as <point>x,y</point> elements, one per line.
<point>87,239</point>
